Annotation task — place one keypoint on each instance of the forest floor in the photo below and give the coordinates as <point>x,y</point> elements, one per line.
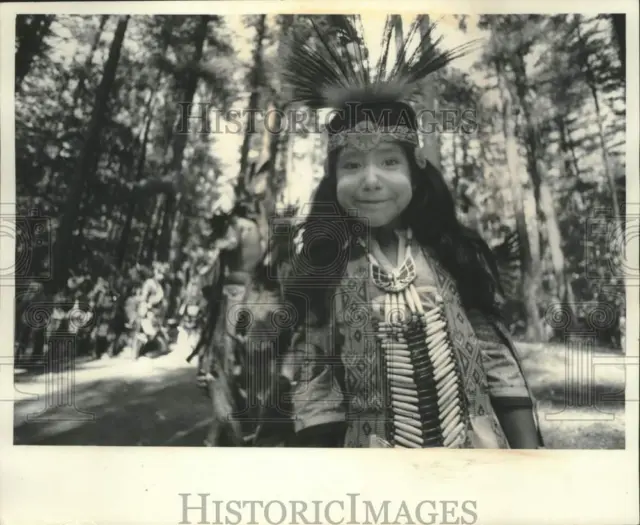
<point>580,394</point>
<point>154,402</point>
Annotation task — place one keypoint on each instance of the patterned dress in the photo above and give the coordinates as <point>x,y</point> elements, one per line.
<point>343,377</point>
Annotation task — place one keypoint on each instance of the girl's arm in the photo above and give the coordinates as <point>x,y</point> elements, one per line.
<point>511,397</point>
<point>317,398</point>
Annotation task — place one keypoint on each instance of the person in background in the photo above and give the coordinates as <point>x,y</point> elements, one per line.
<point>152,289</point>
<point>238,247</point>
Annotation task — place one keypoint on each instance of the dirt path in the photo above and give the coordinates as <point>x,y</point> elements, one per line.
<point>155,403</point>
<point>150,402</point>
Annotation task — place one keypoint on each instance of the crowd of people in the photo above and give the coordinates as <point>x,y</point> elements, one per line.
<point>106,315</point>
<point>150,309</point>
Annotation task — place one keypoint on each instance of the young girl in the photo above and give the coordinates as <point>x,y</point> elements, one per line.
<point>398,340</point>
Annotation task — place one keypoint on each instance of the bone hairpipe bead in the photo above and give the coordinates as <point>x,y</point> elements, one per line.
<point>444,404</point>
<point>412,399</point>
<point>447,388</point>
<point>395,362</point>
<point>434,339</point>
<point>406,413</point>
<point>451,435</point>
<point>458,442</point>
<point>454,435</point>
<point>438,354</point>
<point>406,399</point>
<point>432,311</point>
<point>404,372</point>
<point>435,327</point>
<point>430,319</point>
<point>398,358</point>
<point>445,358</point>
<point>395,346</point>
<point>406,443</point>
<point>408,429</point>
<point>406,406</point>
<point>404,355</point>
<point>455,411</point>
<point>389,332</point>
<point>409,298</point>
<point>445,385</point>
<point>416,298</point>
<point>413,438</point>
<point>400,309</point>
<point>399,367</point>
<point>437,369</point>
<point>401,379</point>
<point>438,350</point>
<point>404,391</point>
<point>445,378</point>
<point>450,425</point>
<point>448,398</point>
<point>444,413</point>
<point>391,347</point>
<point>407,420</point>
<point>391,339</point>
<point>442,373</point>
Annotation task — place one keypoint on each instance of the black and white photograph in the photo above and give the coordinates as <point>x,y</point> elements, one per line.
<point>288,230</point>
<point>237,238</point>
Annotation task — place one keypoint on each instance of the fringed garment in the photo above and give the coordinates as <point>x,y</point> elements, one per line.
<point>428,381</point>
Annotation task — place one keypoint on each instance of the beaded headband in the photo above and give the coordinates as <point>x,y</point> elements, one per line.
<point>365,136</point>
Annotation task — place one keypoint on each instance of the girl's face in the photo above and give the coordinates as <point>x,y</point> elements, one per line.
<point>376,183</point>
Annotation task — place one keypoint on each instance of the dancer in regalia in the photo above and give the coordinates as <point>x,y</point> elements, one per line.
<point>398,340</point>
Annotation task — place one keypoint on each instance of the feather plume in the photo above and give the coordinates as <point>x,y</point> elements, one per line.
<point>331,69</point>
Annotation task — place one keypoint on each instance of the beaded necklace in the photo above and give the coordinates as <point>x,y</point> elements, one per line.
<point>424,380</point>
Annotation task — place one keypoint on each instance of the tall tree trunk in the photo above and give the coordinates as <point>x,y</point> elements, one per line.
<point>166,35</point>
<point>66,122</point>
<point>620,32</point>
<point>87,162</point>
<point>81,76</point>
<point>180,141</point>
<point>593,87</point>
<point>151,223</point>
<point>564,147</point>
<point>131,207</point>
<point>563,282</point>
<point>544,200</point>
<point>155,231</point>
<point>31,30</point>
<point>268,167</point>
<point>530,262</point>
<point>89,61</point>
<point>605,156</point>
<point>572,149</point>
<point>256,81</point>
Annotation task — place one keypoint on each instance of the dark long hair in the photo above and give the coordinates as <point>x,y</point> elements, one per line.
<point>431,215</point>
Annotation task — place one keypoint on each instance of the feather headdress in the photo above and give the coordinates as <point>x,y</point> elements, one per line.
<point>333,71</point>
